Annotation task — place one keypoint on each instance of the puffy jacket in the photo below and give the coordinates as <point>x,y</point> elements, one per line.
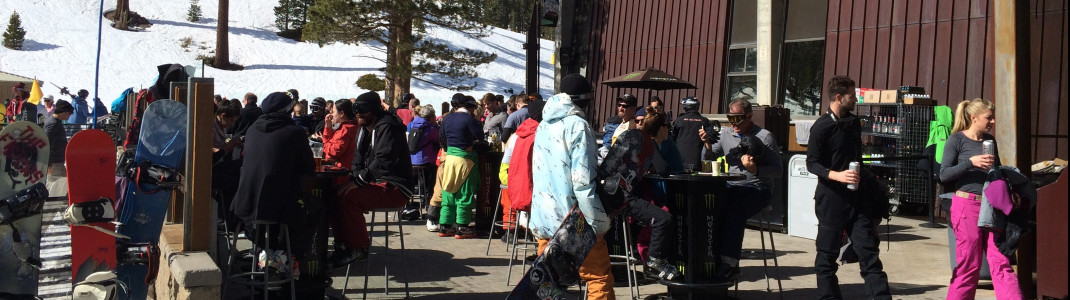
<point>564,165</point>
<point>429,141</point>
<point>338,144</point>
<point>382,154</point>
<point>81,111</point>
<point>520,165</point>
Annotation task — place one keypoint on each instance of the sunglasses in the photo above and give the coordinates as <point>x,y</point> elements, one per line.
<point>623,105</point>
<point>737,119</point>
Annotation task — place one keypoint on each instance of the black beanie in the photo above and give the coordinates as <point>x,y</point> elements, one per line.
<point>368,102</point>
<point>535,110</point>
<point>457,100</point>
<point>575,84</point>
<point>276,102</point>
<point>62,106</point>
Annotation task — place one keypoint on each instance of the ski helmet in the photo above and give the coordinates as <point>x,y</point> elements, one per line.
<point>690,103</point>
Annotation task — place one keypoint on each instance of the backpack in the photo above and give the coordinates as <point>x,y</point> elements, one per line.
<point>415,138</point>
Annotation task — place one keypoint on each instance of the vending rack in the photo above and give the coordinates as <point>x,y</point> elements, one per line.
<point>894,151</point>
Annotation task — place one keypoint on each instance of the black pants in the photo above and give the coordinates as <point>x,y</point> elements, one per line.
<point>660,222</point>
<point>836,215</point>
<point>742,202</point>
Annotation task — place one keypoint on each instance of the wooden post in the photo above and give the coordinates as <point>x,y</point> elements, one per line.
<point>179,92</point>
<point>198,222</point>
<point>1012,110</point>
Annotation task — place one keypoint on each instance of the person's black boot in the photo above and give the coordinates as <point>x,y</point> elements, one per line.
<point>663,269</point>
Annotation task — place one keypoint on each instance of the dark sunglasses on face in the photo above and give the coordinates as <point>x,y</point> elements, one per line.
<point>623,105</point>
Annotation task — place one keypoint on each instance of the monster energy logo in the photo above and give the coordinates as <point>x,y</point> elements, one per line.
<point>313,266</point>
<point>709,267</point>
<point>317,192</point>
<point>679,200</point>
<point>616,249</point>
<point>709,200</point>
<point>683,269</point>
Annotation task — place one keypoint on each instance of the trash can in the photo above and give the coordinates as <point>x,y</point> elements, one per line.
<point>802,221</point>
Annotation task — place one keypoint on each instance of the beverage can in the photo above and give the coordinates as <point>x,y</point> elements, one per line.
<point>989,146</point>
<point>853,166</point>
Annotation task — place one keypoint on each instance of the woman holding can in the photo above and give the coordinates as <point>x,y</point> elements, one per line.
<point>969,153</point>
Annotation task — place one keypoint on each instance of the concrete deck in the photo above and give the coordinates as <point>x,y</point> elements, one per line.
<point>445,268</point>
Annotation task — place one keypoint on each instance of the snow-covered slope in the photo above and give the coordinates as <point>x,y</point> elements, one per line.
<point>61,49</point>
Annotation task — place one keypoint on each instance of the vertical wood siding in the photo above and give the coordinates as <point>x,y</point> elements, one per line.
<point>948,47</point>
<point>684,38</point>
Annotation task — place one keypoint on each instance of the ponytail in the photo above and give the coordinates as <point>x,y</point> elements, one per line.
<point>965,110</point>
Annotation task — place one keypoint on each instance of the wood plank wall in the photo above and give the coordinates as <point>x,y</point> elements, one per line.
<point>687,39</point>
<point>1048,58</point>
<point>948,47</point>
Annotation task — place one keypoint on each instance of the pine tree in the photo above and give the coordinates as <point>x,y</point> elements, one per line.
<point>291,16</point>
<point>194,13</point>
<point>400,26</point>
<point>15,35</point>
<point>222,38</point>
<point>283,13</point>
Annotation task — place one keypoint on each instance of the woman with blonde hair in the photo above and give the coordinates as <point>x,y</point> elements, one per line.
<point>965,170</point>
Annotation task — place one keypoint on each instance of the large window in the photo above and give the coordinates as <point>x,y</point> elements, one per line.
<point>802,57</point>
<point>742,77</point>
<point>801,75</point>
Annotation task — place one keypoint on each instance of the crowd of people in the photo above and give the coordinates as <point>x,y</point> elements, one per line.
<point>552,162</point>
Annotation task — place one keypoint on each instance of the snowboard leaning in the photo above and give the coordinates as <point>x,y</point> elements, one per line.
<point>90,167</point>
<point>23,164</point>
<point>572,241</point>
<point>162,142</point>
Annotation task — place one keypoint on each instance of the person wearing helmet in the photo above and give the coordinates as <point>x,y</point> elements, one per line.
<point>686,127</point>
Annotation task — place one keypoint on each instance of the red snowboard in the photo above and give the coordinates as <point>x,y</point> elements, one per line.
<point>90,177</point>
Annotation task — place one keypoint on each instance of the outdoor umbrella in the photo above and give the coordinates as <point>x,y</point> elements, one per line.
<point>650,78</point>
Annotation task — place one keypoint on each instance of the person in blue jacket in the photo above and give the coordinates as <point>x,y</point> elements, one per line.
<point>81,108</point>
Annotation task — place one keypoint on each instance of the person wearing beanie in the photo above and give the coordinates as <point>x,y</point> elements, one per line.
<point>563,154</point>
<point>317,112</point>
<point>57,138</point>
<point>380,177</point>
<point>19,108</point>
<point>460,179</point>
<point>686,132</point>
<point>81,108</point>
<point>277,158</point>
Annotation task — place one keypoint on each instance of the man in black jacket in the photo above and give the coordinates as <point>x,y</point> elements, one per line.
<point>685,130</point>
<point>835,142</point>
<point>279,161</point>
<point>57,138</point>
<point>248,115</point>
<point>380,178</point>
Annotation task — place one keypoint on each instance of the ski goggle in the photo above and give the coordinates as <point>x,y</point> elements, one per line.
<point>736,119</point>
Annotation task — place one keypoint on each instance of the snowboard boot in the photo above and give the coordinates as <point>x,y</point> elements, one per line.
<point>446,230</point>
<point>662,268</point>
<point>411,212</point>
<point>98,286</point>
<point>465,232</point>
<point>342,257</point>
<point>432,225</point>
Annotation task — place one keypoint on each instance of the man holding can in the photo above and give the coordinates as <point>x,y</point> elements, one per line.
<point>836,144</point>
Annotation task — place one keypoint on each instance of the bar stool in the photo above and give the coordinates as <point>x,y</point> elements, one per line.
<point>421,184</point>
<point>500,223</point>
<point>528,243</point>
<point>763,228</point>
<point>386,248</point>
<point>263,235</point>
<point>627,260</point>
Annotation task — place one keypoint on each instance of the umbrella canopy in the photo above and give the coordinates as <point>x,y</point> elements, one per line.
<point>650,78</point>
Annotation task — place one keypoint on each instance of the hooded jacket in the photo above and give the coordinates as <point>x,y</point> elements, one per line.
<point>564,166</point>
<point>428,141</point>
<point>382,154</point>
<point>277,156</point>
<point>520,187</point>
<point>994,216</point>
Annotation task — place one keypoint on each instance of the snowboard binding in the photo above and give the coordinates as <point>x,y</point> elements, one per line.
<point>96,211</point>
<point>99,286</point>
<point>25,203</point>
<point>147,173</point>
<point>147,254</point>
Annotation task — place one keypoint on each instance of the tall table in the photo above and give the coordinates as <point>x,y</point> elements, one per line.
<point>693,202</point>
<point>313,265</point>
